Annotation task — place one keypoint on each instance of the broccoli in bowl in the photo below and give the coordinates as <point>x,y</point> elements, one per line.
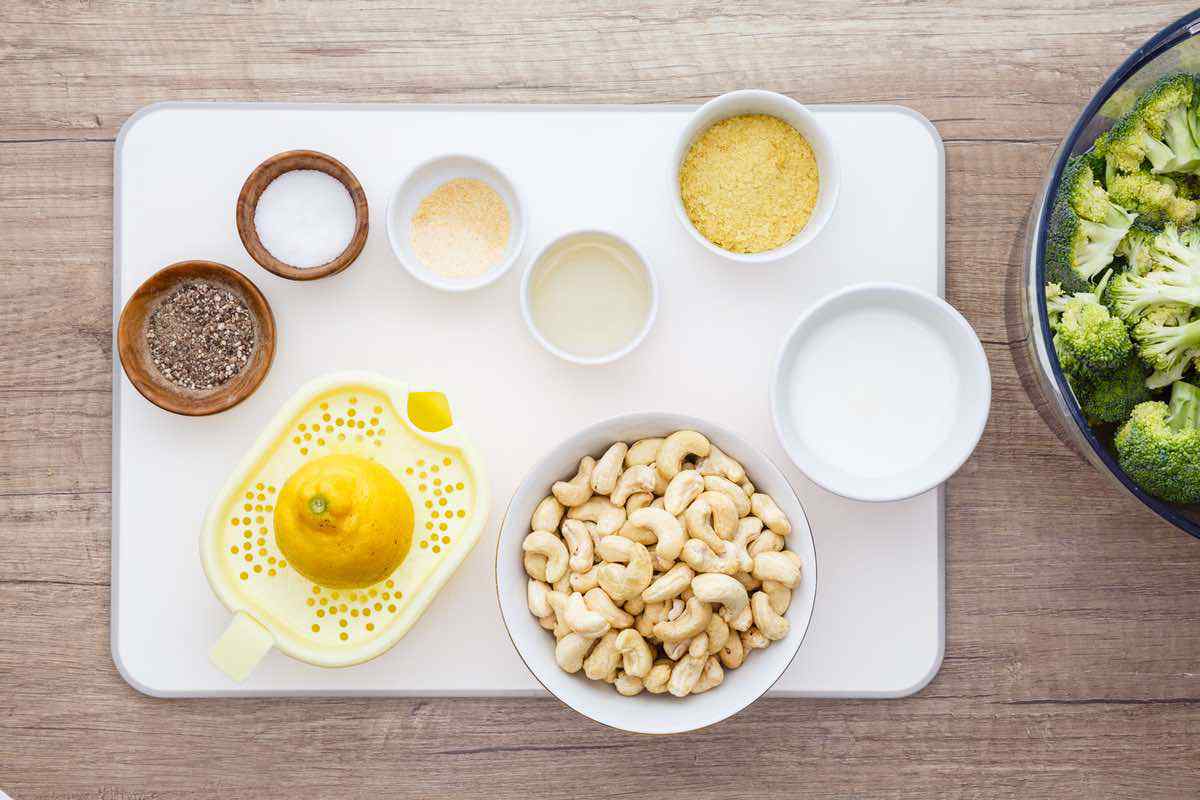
<point>1122,259</point>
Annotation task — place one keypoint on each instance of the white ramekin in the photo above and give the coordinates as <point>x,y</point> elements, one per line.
<point>538,263</point>
<point>419,183</point>
<point>649,713</point>
<point>757,101</point>
<point>974,396</point>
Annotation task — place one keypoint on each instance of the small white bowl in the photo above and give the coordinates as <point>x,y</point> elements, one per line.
<point>419,183</point>
<point>533,272</point>
<point>648,713</point>
<point>757,101</point>
<point>893,309</point>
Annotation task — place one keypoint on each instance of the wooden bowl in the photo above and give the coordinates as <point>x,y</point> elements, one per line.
<point>271,169</point>
<point>135,353</point>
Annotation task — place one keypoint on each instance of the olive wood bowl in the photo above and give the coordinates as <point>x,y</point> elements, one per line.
<point>271,169</point>
<point>135,352</point>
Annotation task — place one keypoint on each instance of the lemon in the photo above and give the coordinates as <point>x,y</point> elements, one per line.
<point>343,521</point>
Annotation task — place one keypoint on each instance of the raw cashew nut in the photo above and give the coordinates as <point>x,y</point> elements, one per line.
<point>776,567</point>
<point>584,581</point>
<point>549,622</point>
<point>579,545</point>
<point>558,603</point>
<point>711,677</point>
<point>602,604</point>
<point>670,584</point>
<point>643,451</point>
<point>676,650</point>
<point>685,487</point>
<point>685,675</point>
<point>602,662</point>
<point>570,651</point>
<point>765,509</point>
<point>723,590</point>
<point>753,639</point>
<point>733,653</point>
<point>741,501</point>
<point>772,625</point>
<point>749,581</point>
<point>660,673</point>
<point>766,542</point>
<point>650,616</point>
<point>667,532</point>
<point>742,621</point>
<point>676,447</point>
<point>717,633</point>
<point>547,544</point>
<point>700,557</point>
<point>547,515</point>
<point>637,657</point>
<point>717,463</point>
<point>629,570</point>
<point>535,566</point>
<point>698,646</point>
<point>608,517</point>
<point>579,617</point>
<point>536,594</point>
<point>633,481</point>
<point>628,685</point>
<point>692,622</point>
<point>720,510</point>
<point>635,605</point>
<point>578,490</point>
<point>747,487</point>
<point>779,595</point>
<point>638,501</point>
<point>563,584</point>
<point>608,469</point>
<point>675,609</point>
<point>739,546</point>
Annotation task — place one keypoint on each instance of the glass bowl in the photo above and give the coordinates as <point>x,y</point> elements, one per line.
<point>1174,49</point>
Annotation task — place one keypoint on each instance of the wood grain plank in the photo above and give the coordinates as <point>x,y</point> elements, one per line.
<point>1073,624</point>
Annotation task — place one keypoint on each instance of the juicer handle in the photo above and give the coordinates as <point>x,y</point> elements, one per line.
<point>241,646</point>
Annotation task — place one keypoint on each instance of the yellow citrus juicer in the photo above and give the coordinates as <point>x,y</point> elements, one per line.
<point>378,497</point>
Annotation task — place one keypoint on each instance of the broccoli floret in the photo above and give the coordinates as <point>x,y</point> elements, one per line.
<point>1111,398</point>
<point>1177,254</point>
<point>1056,301</point>
<point>1159,129</point>
<point>1164,347</point>
<point>1159,447</point>
<point>1085,228</point>
<point>1137,248</point>
<point>1154,196</point>
<point>1089,340</point>
<point>1130,295</point>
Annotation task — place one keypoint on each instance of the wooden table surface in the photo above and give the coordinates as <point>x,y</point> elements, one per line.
<point>1072,662</point>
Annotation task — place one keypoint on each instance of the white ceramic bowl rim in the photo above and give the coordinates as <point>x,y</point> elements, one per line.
<point>517,221</point>
<point>761,101</point>
<point>970,358</point>
<point>742,686</point>
<point>566,355</point>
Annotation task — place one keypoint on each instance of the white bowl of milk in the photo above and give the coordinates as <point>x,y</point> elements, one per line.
<point>880,392</point>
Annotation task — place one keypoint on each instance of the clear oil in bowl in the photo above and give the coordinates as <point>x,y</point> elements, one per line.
<point>590,295</point>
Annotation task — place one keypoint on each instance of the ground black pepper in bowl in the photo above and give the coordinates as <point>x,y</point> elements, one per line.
<point>201,336</point>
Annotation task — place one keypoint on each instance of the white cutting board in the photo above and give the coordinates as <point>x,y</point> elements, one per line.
<point>878,627</point>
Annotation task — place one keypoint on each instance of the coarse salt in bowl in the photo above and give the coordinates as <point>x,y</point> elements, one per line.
<point>424,180</point>
<point>772,104</point>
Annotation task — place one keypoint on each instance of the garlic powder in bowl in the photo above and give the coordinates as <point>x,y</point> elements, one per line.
<point>456,222</point>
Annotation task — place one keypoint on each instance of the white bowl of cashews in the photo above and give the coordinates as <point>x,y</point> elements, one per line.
<point>656,573</point>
